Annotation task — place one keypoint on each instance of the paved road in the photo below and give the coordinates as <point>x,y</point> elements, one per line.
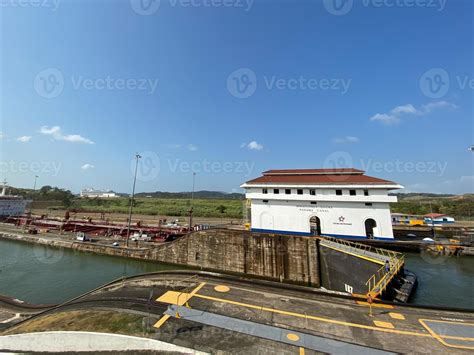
<point>247,318</point>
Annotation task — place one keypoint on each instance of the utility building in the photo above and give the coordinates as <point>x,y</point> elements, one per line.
<point>332,202</point>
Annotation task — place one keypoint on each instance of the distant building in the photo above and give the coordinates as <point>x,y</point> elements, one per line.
<point>438,218</point>
<point>407,219</point>
<point>333,202</point>
<point>92,193</point>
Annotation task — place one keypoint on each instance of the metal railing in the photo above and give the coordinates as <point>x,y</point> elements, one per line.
<point>383,254</point>
<point>380,280</point>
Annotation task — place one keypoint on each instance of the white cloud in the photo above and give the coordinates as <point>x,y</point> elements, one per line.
<point>436,105</point>
<point>87,167</point>
<point>409,108</point>
<point>24,139</point>
<point>385,118</point>
<point>253,145</point>
<point>174,146</point>
<point>2,136</point>
<point>192,147</point>
<point>346,139</point>
<point>394,116</point>
<point>57,134</point>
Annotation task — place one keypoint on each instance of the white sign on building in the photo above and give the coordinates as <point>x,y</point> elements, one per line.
<point>333,202</point>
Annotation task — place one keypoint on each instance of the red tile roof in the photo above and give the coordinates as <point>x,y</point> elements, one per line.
<point>434,215</point>
<point>319,177</point>
<point>313,171</point>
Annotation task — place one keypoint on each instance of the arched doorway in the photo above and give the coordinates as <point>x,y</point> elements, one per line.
<point>370,228</point>
<point>315,225</point>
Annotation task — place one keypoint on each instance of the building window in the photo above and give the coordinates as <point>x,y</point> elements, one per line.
<point>312,192</point>
<point>276,191</point>
<point>352,192</point>
<point>366,192</point>
<point>339,192</point>
<point>265,191</point>
<point>300,191</point>
<point>287,191</point>
<point>313,202</point>
<point>368,204</point>
<point>265,201</point>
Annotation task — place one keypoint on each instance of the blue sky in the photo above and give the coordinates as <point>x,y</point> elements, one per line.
<point>231,88</point>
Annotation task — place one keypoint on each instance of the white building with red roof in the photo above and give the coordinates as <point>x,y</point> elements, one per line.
<point>438,218</point>
<point>342,203</point>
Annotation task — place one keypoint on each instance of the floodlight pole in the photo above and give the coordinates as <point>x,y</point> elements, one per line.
<point>34,186</point>
<point>192,204</point>
<point>137,157</point>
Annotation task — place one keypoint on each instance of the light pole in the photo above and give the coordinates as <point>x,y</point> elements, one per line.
<point>433,233</point>
<point>192,195</point>
<point>137,157</point>
<point>34,186</point>
<point>192,205</point>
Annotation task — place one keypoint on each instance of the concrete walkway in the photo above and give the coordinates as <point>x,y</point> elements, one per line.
<point>85,342</point>
<point>317,343</point>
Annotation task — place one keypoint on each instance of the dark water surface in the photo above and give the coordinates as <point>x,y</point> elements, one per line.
<point>442,280</point>
<point>38,274</point>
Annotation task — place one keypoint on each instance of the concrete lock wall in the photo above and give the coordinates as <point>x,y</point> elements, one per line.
<point>286,258</point>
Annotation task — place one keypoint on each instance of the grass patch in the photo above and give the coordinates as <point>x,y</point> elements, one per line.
<point>215,208</point>
<point>86,321</point>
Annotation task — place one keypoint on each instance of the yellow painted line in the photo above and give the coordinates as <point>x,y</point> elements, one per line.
<point>196,290</point>
<point>449,321</point>
<point>375,305</point>
<point>321,319</point>
<point>381,324</point>
<point>301,351</point>
<point>440,337</point>
<point>170,295</point>
<point>456,338</point>
<point>161,321</point>
<point>356,255</point>
<point>396,315</point>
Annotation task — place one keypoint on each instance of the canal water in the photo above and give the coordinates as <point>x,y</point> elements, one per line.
<point>38,274</point>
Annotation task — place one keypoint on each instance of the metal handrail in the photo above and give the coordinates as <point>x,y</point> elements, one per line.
<point>377,287</point>
<point>384,253</point>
